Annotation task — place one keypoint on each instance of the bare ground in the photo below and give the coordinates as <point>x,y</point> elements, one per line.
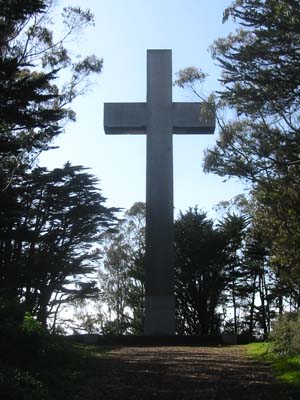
<point>181,373</point>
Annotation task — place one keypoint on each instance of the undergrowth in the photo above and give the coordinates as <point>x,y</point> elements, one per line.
<point>286,367</point>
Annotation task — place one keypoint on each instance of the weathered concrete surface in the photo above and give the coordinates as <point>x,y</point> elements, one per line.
<point>131,118</point>
<point>193,118</point>
<point>125,118</point>
<point>160,314</point>
<point>159,284</point>
<point>159,118</point>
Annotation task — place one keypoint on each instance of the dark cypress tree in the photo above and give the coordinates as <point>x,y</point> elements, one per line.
<point>200,278</point>
<point>47,249</point>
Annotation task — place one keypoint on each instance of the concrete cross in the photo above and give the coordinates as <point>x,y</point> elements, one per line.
<point>159,118</point>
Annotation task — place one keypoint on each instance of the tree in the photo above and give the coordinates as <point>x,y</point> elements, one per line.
<point>61,218</point>
<point>260,285</point>
<point>260,63</point>
<point>39,79</point>
<point>122,277</point>
<point>33,107</point>
<point>233,227</point>
<point>259,68</point>
<point>87,317</point>
<point>260,145</point>
<point>199,276</point>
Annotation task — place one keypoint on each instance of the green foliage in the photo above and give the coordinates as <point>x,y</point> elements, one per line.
<point>34,107</point>
<point>121,277</point>
<point>61,215</point>
<point>30,325</point>
<point>10,316</point>
<point>16,384</point>
<point>258,349</point>
<point>259,143</point>
<point>285,335</point>
<point>87,317</point>
<point>191,78</point>
<point>56,372</point>
<point>199,273</point>
<point>260,62</point>
<point>188,76</point>
<point>50,221</point>
<point>286,368</point>
<point>233,227</point>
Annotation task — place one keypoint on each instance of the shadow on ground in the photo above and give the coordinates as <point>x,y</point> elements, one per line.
<point>179,373</point>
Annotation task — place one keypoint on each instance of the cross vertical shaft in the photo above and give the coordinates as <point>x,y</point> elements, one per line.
<point>159,305</point>
<point>159,118</point>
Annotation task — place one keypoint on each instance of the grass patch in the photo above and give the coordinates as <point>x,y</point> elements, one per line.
<point>258,350</point>
<point>286,368</point>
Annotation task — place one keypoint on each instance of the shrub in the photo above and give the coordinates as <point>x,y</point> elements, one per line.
<point>31,326</point>
<point>16,384</point>
<point>286,334</point>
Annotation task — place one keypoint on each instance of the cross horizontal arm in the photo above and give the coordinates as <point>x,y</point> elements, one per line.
<point>193,118</point>
<point>125,118</point>
<point>131,118</point>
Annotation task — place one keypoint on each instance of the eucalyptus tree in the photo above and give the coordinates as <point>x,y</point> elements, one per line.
<point>39,78</point>
<point>122,276</point>
<point>258,118</point>
<point>233,226</point>
<point>260,75</point>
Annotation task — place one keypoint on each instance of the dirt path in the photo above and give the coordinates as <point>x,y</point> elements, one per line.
<point>180,373</point>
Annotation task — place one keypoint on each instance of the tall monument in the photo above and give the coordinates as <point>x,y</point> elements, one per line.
<point>159,118</point>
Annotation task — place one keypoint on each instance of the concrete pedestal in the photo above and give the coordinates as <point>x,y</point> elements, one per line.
<point>160,316</point>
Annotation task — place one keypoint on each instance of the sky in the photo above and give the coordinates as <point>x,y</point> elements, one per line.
<point>123,31</point>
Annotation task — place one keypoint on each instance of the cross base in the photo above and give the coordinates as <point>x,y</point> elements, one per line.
<point>159,316</point>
